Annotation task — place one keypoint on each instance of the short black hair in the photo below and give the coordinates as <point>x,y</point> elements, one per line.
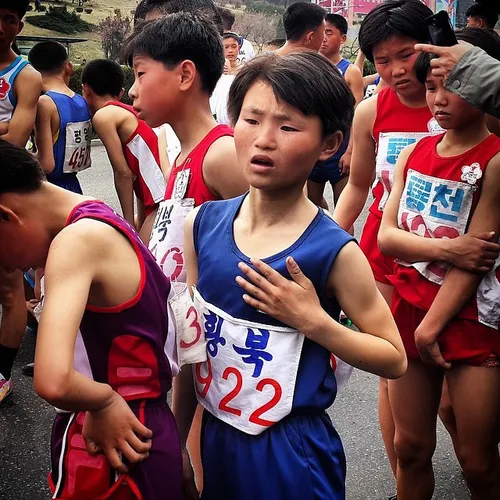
<point>338,21</point>
<point>300,18</point>
<point>48,57</point>
<point>488,14</point>
<point>205,8</point>
<point>177,37</point>
<point>228,18</point>
<point>393,17</point>
<point>305,80</point>
<point>229,34</point>
<point>104,77</point>
<point>140,11</point>
<point>18,6</point>
<point>20,172</point>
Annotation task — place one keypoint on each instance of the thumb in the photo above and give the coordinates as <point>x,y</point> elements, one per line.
<point>430,49</point>
<point>296,273</point>
<point>92,447</point>
<point>486,236</point>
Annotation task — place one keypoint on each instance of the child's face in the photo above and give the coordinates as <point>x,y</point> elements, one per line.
<point>276,144</point>
<point>231,49</point>
<point>332,41</point>
<point>394,61</point>
<point>10,26</point>
<point>450,111</point>
<point>155,90</point>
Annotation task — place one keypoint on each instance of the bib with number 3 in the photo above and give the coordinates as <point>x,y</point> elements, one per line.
<point>248,380</point>
<point>78,147</point>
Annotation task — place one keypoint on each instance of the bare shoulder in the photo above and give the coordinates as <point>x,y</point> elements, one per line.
<point>353,72</point>
<point>46,104</point>
<point>367,109</point>
<point>30,81</point>
<point>220,150</point>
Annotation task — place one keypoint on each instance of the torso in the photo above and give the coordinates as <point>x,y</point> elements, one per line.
<point>8,99</point>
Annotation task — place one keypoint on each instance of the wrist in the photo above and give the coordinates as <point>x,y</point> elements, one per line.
<point>316,326</point>
<point>446,253</point>
<point>109,397</point>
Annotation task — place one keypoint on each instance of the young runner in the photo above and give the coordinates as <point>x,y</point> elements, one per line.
<point>336,169</point>
<point>383,125</point>
<point>178,60</point>
<point>17,119</point>
<point>231,51</point>
<point>63,128</point>
<point>246,50</point>
<point>268,380</point>
<point>110,383</point>
<point>304,25</point>
<point>482,16</point>
<point>132,145</point>
<point>442,223</point>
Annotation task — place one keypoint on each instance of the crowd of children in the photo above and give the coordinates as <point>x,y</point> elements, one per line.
<point>225,276</point>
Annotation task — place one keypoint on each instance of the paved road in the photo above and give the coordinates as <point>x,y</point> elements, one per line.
<point>25,420</point>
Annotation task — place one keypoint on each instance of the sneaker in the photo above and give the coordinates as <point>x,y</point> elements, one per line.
<point>29,369</point>
<point>5,387</point>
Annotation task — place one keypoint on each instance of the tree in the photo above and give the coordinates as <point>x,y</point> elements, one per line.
<point>259,28</point>
<point>114,31</point>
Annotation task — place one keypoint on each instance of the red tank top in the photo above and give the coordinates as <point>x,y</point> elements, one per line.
<point>143,158</point>
<point>197,188</point>
<point>396,126</point>
<point>439,198</point>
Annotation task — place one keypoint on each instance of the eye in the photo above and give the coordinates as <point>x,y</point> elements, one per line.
<point>140,73</point>
<point>250,121</point>
<point>286,128</point>
<point>407,56</point>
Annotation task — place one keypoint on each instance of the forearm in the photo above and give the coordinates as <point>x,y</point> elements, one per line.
<point>476,78</point>
<point>4,128</point>
<point>72,392</point>
<point>125,189</point>
<point>361,350</point>
<point>411,247</point>
<point>456,291</point>
<point>350,205</point>
<point>184,402</point>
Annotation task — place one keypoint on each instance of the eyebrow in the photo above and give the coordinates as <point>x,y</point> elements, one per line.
<point>259,112</point>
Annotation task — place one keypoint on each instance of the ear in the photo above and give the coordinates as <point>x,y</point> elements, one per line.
<point>120,95</point>
<point>187,74</point>
<point>343,39</point>
<point>308,37</point>
<point>331,144</point>
<point>7,215</point>
<point>481,23</point>
<point>69,69</point>
<point>21,26</point>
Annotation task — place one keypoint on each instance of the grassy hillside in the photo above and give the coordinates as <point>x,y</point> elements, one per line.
<point>101,9</point>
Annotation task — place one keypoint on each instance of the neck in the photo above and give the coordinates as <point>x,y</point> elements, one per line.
<point>233,63</point>
<point>416,100</point>
<point>192,123</point>
<point>468,136</point>
<point>335,58</point>
<point>290,47</point>
<point>57,83</point>
<point>100,101</point>
<point>7,57</point>
<point>269,208</point>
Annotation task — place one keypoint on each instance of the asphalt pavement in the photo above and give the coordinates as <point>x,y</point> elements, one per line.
<point>25,419</point>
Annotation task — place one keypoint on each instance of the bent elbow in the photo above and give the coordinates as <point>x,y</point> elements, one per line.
<point>399,368</point>
<point>383,242</point>
<point>52,389</point>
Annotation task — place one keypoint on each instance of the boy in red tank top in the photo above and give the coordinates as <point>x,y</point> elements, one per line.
<point>442,223</point>
<point>178,60</point>
<point>383,125</point>
<point>132,145</point>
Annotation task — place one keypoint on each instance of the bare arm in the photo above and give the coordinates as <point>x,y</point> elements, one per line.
<point>23,119</point>
<point>106,128</point>
<point>353,198</point>
<point>377,348</point>
<point>164,161</point>
<point>471,252</point>
<point>44,133</point>
<point>4,128</point>
<point>221,171</point>
<point>360,61</point>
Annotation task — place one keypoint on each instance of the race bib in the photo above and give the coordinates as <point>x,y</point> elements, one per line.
<point>190,343</point>
<point>390,146</point>
<point>78,147</point>
<point>434,208</point>
<point>167,237</point>
<point>248,380</point>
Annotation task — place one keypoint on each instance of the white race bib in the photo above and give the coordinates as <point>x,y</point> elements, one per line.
<point>248,380</point>
<point>78,147</point>
<point>167,237</point>
<point>434,208</point>
<point>390,145</point>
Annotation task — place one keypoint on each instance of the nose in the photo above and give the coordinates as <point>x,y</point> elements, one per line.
<point>440,98</point>
<point>132,93</point>
<point>398,70</point>
<point>266,139</point>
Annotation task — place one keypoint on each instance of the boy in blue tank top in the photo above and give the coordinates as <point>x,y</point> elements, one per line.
<point>63,128</point>
<point>271,326</point>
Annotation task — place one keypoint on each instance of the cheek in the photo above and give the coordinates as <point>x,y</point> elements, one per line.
<point>242,136</point>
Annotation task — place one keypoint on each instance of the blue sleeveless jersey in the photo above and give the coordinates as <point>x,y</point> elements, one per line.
<point>301,456</point>
<point>70,109</point>
<point>342,66</point>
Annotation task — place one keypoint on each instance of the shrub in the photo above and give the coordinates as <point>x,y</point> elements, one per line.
<point>61,20</point>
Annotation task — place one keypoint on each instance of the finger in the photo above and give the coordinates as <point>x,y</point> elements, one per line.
<point>256,304</point>
<point>254,291</point>
<point>92,447</point>
<point>115,461</point>
<point>130,454</point>
<point>269,273</point>
<point>430,49</point>
<point>138,445</point>
<point>487,236</point>
<point>296,273</point>
<point>142,430</point>
<point>258,279</point>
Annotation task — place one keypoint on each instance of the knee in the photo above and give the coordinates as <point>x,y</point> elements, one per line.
<point>447,415</point>
<point>479,466</point>
<point>413,450</point>
<point>11,292</point>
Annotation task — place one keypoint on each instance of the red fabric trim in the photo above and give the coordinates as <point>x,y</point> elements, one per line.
<point>70,220</point>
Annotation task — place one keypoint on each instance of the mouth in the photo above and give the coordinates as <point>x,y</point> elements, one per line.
<point>402,83</point>
<point>441,113</point>
<point>262,161</point>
